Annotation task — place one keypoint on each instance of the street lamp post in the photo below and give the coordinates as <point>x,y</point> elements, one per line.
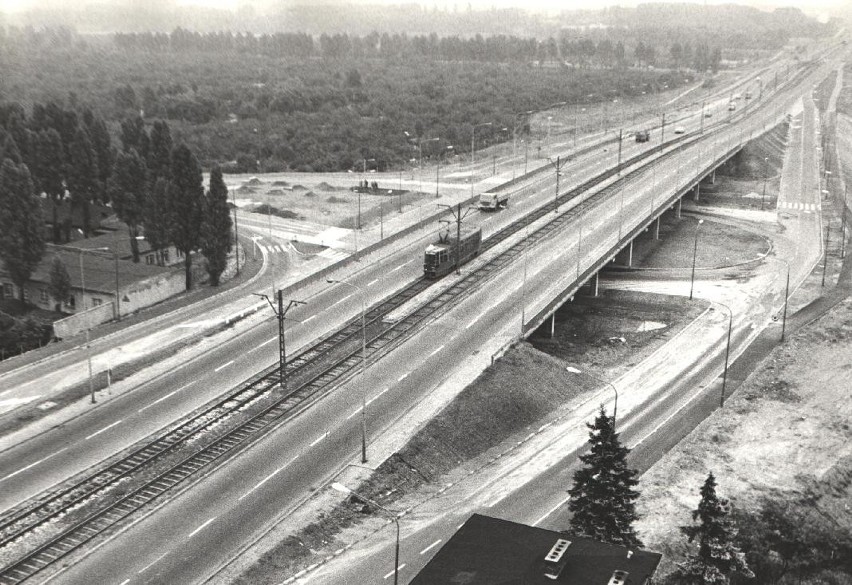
<point>363,363</point>
<point>339,487</point>
<point>694,255</point>
<point>473,151</point>
<point>727,353</point>
<point>765,177</point>
<point>574,370</point>
<point>81,251</point>
<point>281,314</point>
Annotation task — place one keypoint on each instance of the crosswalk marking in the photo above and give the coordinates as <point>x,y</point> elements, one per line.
<point>798,206</point>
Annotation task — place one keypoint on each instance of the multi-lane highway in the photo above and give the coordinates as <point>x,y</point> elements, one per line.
<point>188,538</point>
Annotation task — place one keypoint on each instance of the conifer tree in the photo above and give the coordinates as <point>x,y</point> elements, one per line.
<point>60,283</point>
<point>603,498</point>
<point>717,557</point>
<point>126,189</point>
<point>154,217</point>
<point>185,198</point>
<point>216,227</point>
<point>21,241</point>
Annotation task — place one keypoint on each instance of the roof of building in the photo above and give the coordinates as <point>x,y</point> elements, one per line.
<point>491,551</point>
<point>98,267</point>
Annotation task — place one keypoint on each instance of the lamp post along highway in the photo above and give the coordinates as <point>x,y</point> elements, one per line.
<point>339,487</point>
<point>363,363</point>
<point>694,255</point>
<point>574,370</point>
<point>473,152</point>
<point>727,354</point>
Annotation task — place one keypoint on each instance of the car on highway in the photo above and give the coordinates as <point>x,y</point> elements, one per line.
<point>732,106</point>
<point>679,130</point>
<point>708,114</point>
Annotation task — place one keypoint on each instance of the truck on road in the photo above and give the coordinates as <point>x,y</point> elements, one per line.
<point>489,201</point>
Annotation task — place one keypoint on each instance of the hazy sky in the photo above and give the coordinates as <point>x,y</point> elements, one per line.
<point>545,5</point>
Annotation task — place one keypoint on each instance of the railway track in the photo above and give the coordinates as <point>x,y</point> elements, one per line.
<point>169,459</point>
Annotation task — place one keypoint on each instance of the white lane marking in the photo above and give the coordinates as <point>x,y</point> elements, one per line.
<point>472,323</point>
<point>267,342</point>
<point>125,582</point>
<point>401,266</point>
<point>377,395</point>
<point>312,317</point>
<point>106,428</point>
<point>403,377</point>
<point>169,395</point>
<point>338,302</point>
<point>200,528</point>
<point>353,414</point>
<point>399,568</point>
<point>436,351</point>
<point>317,441</point>
<point>372,282</point>
<point>42,460</point>
<point>268,477</point>
<point>552,510</point>
<point>431,546</point>
<point>151,564</point>
<point>495,502</point>
<point>223,366</point>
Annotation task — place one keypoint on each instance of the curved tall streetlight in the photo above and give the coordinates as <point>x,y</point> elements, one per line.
<point>363,363</point>
<point>339,487</point>
<point>574,370</point>
<point>727,353</point>
<point>694,254</point>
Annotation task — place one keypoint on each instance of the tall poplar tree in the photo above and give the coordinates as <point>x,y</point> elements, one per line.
<point>159,152</point>
<point>51,171</point>
<point>21,240</point>
<point>126,189</point>
<point>82,177</point>
<point>185,199</point>
<point>155,219</point>
<point>603,498</point>
<point>216,226</point>
<point>717,558</point>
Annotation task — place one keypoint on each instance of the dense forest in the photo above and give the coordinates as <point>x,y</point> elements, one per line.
<point>334,101</point>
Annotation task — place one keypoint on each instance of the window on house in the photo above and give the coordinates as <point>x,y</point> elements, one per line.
<point>149,259</point>
<point>8,290</point>
<point>165,256</point>
<point>26,294</point>
<point>70,303</point>
<point>43,296</point>
<point>96,302</point>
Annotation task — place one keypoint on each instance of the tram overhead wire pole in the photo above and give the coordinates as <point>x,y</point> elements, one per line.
<point>281,315</point>
<point>694,255</point>
<point>557,166</point>
<point>727,353</point>
<point>456,211</point>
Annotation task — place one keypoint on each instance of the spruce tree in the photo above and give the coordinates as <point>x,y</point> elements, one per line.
<point>60,283</point>
<point>185,198</point>
<point>603,498</point>
<point>717,557</point>
<point>216,227</point>
<point>21,240</point>
<point>155,219</point>
<point>126,189</point>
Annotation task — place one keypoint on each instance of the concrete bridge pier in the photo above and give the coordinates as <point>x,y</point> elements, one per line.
<point>679,205</point>
<point>625,256</point>
<point>656,229</point>
<point>698,190</point>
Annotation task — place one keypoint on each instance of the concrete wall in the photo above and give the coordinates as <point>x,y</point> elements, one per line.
<point>151,291</point>
<point>70,326</point>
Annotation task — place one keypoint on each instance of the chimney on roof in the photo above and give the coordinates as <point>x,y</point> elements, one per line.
<point>556,560</point>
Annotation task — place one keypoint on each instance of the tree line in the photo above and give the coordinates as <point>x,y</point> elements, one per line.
<point>58,156</point>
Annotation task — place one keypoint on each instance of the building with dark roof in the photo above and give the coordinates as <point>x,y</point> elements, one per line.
<point>491,551</point>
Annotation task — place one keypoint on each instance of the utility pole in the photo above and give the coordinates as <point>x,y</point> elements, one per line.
<point>620,132</point>
<point>558,167</point>
<point>663,131</point>
<point>281,314</point>
<point>236,233</point>
<point>456,211</point>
